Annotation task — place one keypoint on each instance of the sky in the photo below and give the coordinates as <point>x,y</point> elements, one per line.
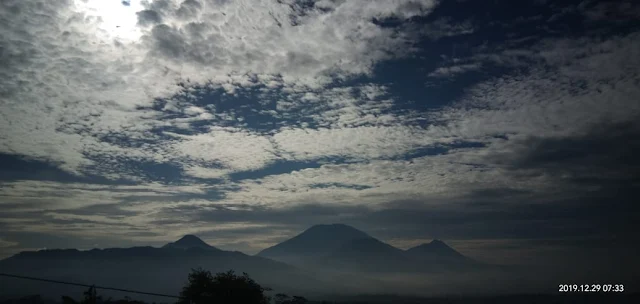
<point>509,129</point>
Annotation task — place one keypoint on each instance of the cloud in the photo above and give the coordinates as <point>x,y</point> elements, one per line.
<point>561,104</point>
<point>346,106</point>
<point>217,38</point>
<point>57,195</point>
<point>597,154</point>
<point>205,173</point>
<point>90,72</point>
<point>545,134</point>
<point>454,70</point>
<point>445,27</point>
<point>88,211</point>
<point>353,143</point>
<point>565,98</point>
<point>610,11</point>
<point>148,17</point>
<point>173,117</point>
<point>233,149</point>
<point>4,243</point>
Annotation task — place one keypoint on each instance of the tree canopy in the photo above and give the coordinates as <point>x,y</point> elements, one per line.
<point>224,287</point>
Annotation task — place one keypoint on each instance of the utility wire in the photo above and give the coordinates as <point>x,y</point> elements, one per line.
<point>86,285</point>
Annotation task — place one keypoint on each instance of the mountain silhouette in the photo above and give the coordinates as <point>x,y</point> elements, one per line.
<point>366,254</point>
<point>189,241</point>
<point>345,248</point>
<point>435,248</point>
<point>369,245</point>
<point>438,256</point>
<point>160,270</point>
<point>320,258</point>
<point>317,241</point>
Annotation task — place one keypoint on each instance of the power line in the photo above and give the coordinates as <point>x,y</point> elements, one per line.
<point>86,285</point>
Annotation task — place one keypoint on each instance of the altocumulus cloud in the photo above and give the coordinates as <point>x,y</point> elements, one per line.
<point>245,121</point>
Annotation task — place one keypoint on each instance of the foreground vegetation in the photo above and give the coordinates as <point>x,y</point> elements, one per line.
<point>202,288</point>
<point>229,288</point>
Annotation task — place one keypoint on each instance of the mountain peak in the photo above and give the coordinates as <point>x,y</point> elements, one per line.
<point>188,241</point>
<point>435,247</point>
<point>316,240</point>
<point>190,238</point>
<point>437,242</point>
<point>333,228</point>
<point>328,232</point>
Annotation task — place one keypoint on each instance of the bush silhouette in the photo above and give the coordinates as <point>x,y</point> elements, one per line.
<point>285,299</point>
<point>224,287</point>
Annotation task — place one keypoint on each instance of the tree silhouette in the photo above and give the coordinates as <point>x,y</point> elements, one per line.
<point>298,300</point>
<point>282,298</point>
<point>90,296</point>
<point>224,287</point>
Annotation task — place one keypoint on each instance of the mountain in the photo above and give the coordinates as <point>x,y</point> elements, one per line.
<point>434,249</point>
<point>438,256</point>
<point>366,254</point>
<point>336,258</point>
<point>344,248</point>
<point>189,241</point>
<point>160,270</point>
<point>315,242</point>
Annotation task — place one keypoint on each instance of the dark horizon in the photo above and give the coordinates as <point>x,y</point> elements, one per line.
<point>315,258</point>
<point>195,241</point>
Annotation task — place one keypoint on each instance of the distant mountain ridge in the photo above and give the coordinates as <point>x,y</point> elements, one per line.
<point>344,247</point>
<point>434,248</point>
<point>152,269</point>
<point>310,259</point>
<point>189,241</point>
